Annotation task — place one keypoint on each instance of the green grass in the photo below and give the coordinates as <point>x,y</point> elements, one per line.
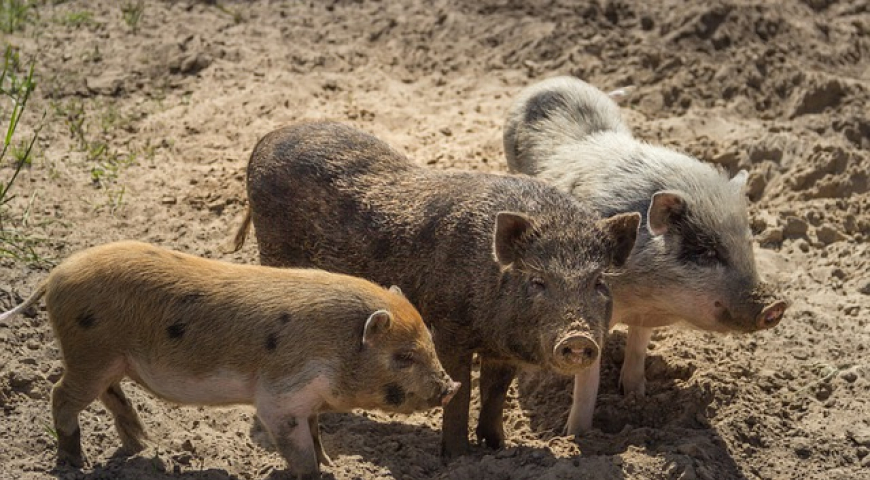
<point>132,13</point>
<point>16,85</point>
<point>14,14</point>
<point>77,19</point>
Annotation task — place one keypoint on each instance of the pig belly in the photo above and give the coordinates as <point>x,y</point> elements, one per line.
<point>220,387</point>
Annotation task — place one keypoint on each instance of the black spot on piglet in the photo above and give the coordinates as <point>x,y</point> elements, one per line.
<point>271,342</point>
<point>394,394</point>
<point>87,320</point>
<point>176,330</point>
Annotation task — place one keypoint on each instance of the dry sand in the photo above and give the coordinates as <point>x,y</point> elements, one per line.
<point>781,90</point>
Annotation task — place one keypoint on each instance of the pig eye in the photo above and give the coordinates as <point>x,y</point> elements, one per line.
<point>601,286</point>
<point>536,286</point>
<point>403,360</point>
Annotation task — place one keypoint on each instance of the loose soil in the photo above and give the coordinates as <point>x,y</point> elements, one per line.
<point>147,131</point>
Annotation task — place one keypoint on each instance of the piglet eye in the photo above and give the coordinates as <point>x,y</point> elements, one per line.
<point>403,360</point>
<point>536,285</point>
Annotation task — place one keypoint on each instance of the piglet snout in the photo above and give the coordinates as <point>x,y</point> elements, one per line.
<point>449,392</point>
<point>771,315</point>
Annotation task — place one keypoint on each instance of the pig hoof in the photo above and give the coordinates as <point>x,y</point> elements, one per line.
<point>632,386</point>
<point>324,459</point>
<point>453,450</point>
<point>491,439</point>
<point>71,460</point>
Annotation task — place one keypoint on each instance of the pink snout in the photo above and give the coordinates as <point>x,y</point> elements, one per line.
<point>771,315</point>
<point>449,393</point>
<point>576,352</point>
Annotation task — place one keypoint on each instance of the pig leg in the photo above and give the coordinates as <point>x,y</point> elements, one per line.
<point>72,394</point>
<point>127,421</point>
<point>631,378</point>
<point>454,431</point>
<point>292,437</point>
<point>585,394</point>
<point>314,426</point>
<point>495,379</point>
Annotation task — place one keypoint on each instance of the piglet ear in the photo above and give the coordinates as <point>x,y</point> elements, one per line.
<point>398,291</point>
<point>622,230</point>
<point>666,209</point>
<point>377,323</point>
<point>508,241</point>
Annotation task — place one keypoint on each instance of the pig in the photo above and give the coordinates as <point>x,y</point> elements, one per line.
<point>291,342</point>
<point>693,263</point>
<point>505,267</point>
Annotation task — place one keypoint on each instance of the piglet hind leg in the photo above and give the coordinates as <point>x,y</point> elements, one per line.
<point>72,394</point>
<point>127,421</point>
<point>632,379</point>
<point>314,426</point>
<point>585,393</point>
<point>495,379</point>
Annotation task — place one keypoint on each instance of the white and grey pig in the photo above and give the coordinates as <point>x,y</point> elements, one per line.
<point>694,261</point>
<point>291,342</point>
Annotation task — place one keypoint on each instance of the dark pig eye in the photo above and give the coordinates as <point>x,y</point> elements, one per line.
<point>403,360</point>
<point>536,286</point>
<point>601,286</point>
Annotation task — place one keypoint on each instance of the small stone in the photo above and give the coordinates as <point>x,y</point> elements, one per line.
<point>168,200</point>
<point>865,289</point>
<point>802,245</point>
<point>794,227</point>
<point>849,376</point>
<point>860,435</point>
<point>865,462</point>
<point>771,235</point>
<point>827,234</point>
<point>446,131</point>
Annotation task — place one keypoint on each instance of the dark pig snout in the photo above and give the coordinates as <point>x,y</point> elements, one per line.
<point>771,315</point>
<point>576,352</point>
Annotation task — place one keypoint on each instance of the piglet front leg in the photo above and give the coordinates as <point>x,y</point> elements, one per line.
<point>291,432</point>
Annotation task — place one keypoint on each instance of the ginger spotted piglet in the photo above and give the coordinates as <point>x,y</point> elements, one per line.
<point>291,342</point>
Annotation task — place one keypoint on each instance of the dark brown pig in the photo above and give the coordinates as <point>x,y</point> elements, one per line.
<point>290,342</point>
<point>506,267</point>
<point>692,263</point>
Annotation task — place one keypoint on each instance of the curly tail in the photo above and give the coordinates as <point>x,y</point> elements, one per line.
<point>40,291</point>
<point>242,234</point>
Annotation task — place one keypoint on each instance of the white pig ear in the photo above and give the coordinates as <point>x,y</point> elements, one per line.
<point>622,230</point>
<point>377,323</point>
<point>508,242</point>
<point>665,210</point>
<point>739,180</point>
<point>620,94</point>
<point>398,291</point>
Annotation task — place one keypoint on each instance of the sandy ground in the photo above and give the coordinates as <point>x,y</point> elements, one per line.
<point>147,132</point>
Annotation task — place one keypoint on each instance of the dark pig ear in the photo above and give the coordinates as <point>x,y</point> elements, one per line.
<point>665,210</point>
<point>622,230</point>
<point>398,291</point>
<point>508,243</point>
<point>377,323</point>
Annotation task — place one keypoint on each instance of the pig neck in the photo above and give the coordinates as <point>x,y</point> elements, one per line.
<point>643,296</point>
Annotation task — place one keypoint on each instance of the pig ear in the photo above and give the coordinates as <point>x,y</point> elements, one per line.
<point>377,323</point>
<point>622,230</point>
<point>666,208</point>
<point>508,243</point>
<point>398,291</point>
<point>739,180</point>
<point>620,94</point>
